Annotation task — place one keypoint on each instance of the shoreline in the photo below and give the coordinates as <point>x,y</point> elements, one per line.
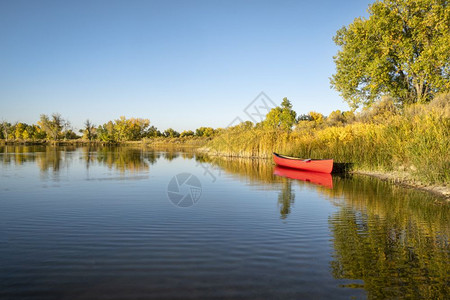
<point>166,142</point>
<point>405,180</point>
<point>398,178</point>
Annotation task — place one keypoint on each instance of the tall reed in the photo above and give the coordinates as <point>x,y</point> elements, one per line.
<point>416,141</point>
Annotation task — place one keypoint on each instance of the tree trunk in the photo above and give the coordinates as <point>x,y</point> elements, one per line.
<point>419,87</point>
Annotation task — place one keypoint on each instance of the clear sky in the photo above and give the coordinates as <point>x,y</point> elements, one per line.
<point>181,64</point>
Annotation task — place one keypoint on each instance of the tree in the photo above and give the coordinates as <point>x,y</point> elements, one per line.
<point>54,126</point>
<point>171,133</point>
<point>137,128</point>
<point>281,117</point>
<point>335,118</point>
<point>7,130</point>
<point>19,129</point>
<point>304,117</point>
<point>401,50</point>
<point>120,129</point>
<point>70,135</point>
<point>316,117</point>
<point>205,131</point>
<point>379,112</point>
<point>34,132</point>
<point>187,133</point>
<point>89,131</point>
<point>130,129</point>
<point>152,131</point>
<point>312,120</point>
<point>107,132</point>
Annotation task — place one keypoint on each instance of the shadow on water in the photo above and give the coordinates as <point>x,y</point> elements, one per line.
<point>341,168</point>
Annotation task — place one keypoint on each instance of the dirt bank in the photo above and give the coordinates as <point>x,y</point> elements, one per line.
<point>404,179</point>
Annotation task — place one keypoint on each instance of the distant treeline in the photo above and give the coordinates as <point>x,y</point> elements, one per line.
<point>56,128</point>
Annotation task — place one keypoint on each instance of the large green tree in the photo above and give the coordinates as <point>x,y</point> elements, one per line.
<point>281,117</point>
<point>402,50</point>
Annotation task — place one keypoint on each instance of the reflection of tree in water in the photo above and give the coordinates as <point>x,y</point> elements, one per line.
<point>55,157</point>
<point>170,155</point>
<point>151,156</point>
<point>121,159</point>
<point>89,156</point>
<point>124,159</point>
<point>256,172</point>
<point>187,155</point>
<point>286,198</point>
<point>46,157</point>
<point>50,159</point>
<point>393,239</point>
<point>20,154</point>
<point>202,158</point>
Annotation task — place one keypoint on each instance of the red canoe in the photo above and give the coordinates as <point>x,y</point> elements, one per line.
<point>315,165</point>
<point>322,179</point>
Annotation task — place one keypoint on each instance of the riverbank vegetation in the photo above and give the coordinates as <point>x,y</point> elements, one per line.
<point>392,68</point>
<point>413,139</point>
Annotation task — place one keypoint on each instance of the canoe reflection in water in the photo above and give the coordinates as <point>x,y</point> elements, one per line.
<point>318,178</point>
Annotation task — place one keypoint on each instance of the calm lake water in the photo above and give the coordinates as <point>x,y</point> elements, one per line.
<point>123,223</point>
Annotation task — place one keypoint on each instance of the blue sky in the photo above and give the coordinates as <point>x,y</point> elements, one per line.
<point>181,64</point>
